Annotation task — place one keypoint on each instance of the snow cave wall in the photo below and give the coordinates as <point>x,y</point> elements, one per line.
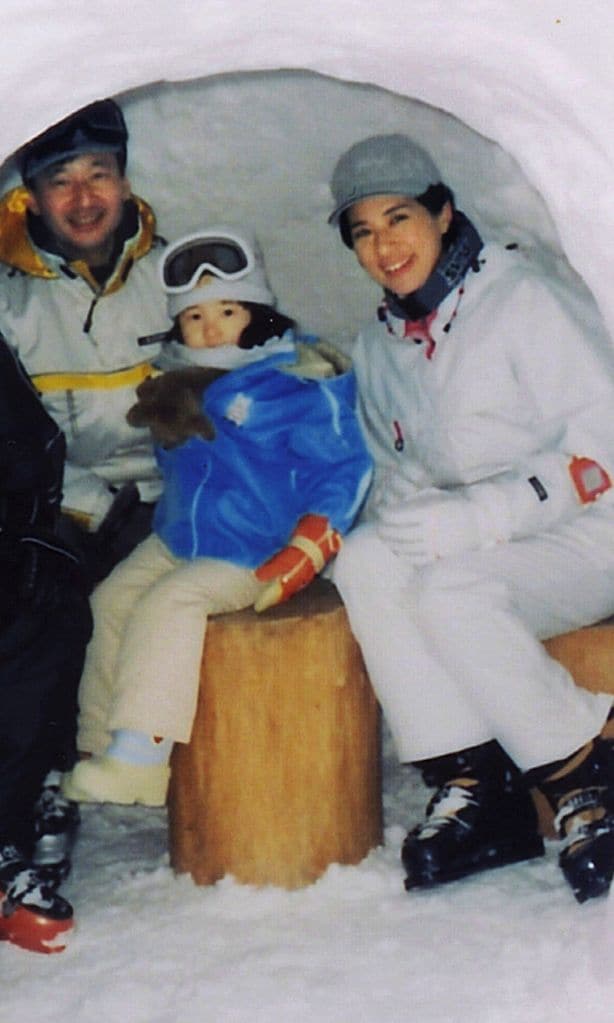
<point>238,112</point>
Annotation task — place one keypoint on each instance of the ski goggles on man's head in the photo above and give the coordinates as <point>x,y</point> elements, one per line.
<point>222,255</point>
<point>99,127</point>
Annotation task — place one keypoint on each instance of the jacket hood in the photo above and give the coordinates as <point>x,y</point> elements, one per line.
<point>318,360</point>
<point>18,250</point>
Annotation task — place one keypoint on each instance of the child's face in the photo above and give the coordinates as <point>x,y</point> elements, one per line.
<point>213,324</point>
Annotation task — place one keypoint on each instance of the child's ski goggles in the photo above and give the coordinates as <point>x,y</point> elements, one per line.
<point>225,256</point>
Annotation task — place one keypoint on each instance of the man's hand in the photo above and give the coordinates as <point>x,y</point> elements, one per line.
<point>124,504</point>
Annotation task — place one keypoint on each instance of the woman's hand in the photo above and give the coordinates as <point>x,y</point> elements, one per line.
<point>429,525</point>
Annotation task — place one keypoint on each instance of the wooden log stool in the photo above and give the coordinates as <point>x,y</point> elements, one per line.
<point>588,655</point>
<point>282,775</point>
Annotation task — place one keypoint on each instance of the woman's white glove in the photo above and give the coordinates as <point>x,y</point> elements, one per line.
<point>432,524</point>
<point>423,525</point>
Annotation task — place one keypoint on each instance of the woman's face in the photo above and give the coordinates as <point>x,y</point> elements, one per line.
<point>397,241</point>
<point>213,324</point>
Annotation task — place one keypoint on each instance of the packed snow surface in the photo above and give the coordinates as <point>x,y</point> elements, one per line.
<point>508,946</point>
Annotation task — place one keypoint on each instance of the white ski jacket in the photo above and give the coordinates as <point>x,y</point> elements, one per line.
<point>516,379</point>
<point>80,346</point>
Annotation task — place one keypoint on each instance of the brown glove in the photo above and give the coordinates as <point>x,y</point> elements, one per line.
<point>171,405</point>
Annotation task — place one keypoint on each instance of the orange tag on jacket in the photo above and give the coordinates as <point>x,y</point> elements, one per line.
<point>589,479</point>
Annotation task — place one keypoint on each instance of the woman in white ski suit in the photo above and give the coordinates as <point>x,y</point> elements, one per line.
<point>490,525</point>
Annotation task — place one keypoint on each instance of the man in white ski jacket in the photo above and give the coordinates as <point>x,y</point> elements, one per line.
<point>77,290</point>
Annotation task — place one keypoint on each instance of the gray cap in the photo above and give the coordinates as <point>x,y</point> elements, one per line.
<point>381,165</point>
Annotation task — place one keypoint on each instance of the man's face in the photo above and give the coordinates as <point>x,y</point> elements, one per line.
<point>81,202</point>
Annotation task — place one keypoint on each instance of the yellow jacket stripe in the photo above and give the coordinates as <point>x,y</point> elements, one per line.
<point>45,383</point>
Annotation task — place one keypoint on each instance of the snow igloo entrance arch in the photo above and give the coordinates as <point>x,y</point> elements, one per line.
<point>258,149</point>
<point>538,79</point>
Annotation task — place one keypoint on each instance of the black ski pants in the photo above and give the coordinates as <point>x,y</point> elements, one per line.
<point>41,659</point>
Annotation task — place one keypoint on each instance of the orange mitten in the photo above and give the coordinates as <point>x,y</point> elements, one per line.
<point>313,543</point>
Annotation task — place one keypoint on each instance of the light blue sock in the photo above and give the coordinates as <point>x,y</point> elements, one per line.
<point>139,748</point>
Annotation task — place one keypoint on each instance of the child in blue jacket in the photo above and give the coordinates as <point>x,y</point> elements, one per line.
<point>264,469</point>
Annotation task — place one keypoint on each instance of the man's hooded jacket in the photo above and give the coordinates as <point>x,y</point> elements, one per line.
<point>78,340</point>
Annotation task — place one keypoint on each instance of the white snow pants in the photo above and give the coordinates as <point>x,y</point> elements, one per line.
<point>142,666</point>
<point>453,650</point>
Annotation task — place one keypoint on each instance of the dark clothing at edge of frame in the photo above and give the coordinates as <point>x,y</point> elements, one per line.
<point>45,621</point>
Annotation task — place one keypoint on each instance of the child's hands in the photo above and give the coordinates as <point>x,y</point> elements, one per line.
<point>313,543</point>
<point>171,405</point>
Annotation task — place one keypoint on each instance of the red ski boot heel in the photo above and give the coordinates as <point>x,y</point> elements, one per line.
<point>32,914</point>
<point>37,930</point>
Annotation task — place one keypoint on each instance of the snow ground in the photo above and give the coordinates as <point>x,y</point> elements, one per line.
<point>508,946</point>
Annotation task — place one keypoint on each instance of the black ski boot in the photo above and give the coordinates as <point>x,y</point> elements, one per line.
<point>56,820</point>
<point>32,914</point>
<point>580,790</point>
<point>482,816</point>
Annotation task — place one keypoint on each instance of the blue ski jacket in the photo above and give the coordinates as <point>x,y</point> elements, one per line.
<point>287,443</point>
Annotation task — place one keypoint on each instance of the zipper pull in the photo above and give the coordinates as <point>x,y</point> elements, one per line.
<point>399,440</point>
<point>87,326</point>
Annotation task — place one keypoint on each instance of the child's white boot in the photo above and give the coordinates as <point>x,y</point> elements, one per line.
<point>108,780</point>
<point>134,769</point>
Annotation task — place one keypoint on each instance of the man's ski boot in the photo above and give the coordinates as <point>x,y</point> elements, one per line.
<point>56,820</point>
<point>482,816</point>
<point>32,914</point>
<point>580,790</point>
